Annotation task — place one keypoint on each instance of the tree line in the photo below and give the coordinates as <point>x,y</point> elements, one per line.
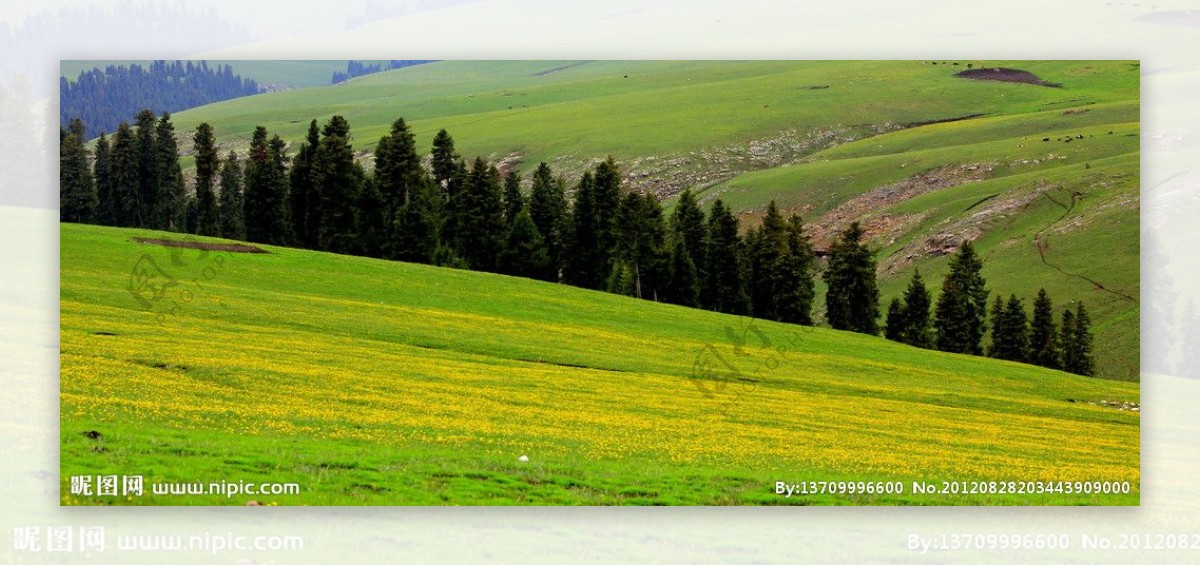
<point>103,98</point>
<point>358,68</point>
<point>470,215</point>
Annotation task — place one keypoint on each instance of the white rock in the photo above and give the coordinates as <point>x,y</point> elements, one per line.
<point>523,458</point>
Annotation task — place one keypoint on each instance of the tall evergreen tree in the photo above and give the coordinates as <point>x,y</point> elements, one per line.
<point>794,277</point>
<point>146,157</point>
<point>682,286</point>
<point>338,180</point>
<point>1043,336</point>
<point>638,242</point>
<point>1010,331</point>
<point>205,146</point>
<point>895,324</point>
<point>372,228</point>
<point>305,200</point>
<point>401,180</point>
<point>1070,351</point>
<point>852,298</point>
<point>586,265</point>
<point>765,247</point>
<point>687,223</point>
<point>444,158</point>
<point>480,233</point>
<point>415,231</point>
<point>548,210</point>
<point>916,330</point>
<point>78,199</point>
<point>961,311</point>
<point>230,210</point>
<point>724,287</point>
<point>266,204</point>
<point>524,253</point>
<point>125,178</point>
<point>171,206</point>
<point>607,199</point>
<point>102,174</point>
<point>1083,361</point>
<point>513,201</point>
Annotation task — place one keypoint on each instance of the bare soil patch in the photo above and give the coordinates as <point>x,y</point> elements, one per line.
<point>1005,74</point>
<point>235,248</point>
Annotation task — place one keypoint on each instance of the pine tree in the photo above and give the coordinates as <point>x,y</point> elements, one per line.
<point>305,201</point>
<point>961,312</point>
<point>682,286</point>
<point>852,298</point>
<point>916,330</point>
<point>524,253</point>
<point>1010,331</point>
<point>585,265</point>
<point>1084,361</point>
<point>204,143</point>
<point>1043,336</point>
<point>1070,350</point>
<point>266,204</point>
<point>480,233</point>
<point>895,324</point>
<point>172,195</point>
<point>687,223</point>
<point>414,236</point>
<point>338,179</point>
<point>548,210</point>
<point>794,277</point>
<point>400,177</point>
<point>125,178</point>
<point>638,233</point>
<point>372,229</point>
<point>765,246</point>
<point>78,199</point>
<point>444,158</point>
<point>724,288</point>
<point>512,199</point>
<point>145,152</point>
<point>102,175</point>
<point>607,195</point>
<point>230,210</point>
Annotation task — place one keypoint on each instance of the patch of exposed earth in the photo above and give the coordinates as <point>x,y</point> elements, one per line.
<point>1005,74</point>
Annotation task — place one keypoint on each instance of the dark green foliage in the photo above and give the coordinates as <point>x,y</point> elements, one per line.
<point>916,330</point>
<point>146,161</point>
<point>78,199</point>
<point>304,199</point>
<point>444,158</point>
<point>266,204</point>
<point>230,210</point>
<point>480,232</point>
<point>207,217</point>
<point>638,242</point>
<point>548,210</point>
<point>339,181</point>
<point>682,286</point>
<point>172,197</point>
<point>524,253</point>
<point>961,310</point>
<point>414,234</point>
<point>724,288</point>
<point>586,263</point>
<point>1043,336</point>
<point>852,298</point>
<point>513,201</point>
<point>1010,331</point>
<point>398,174</point>
<point>102,174</point>
<point>687,223</point>
<point>125,181</point>
<point>895,323</point>
<point>765,246</point>
<point>1077,342</point>
<point>794,277</point>
<point>372,230</point>
<point>607,199</point>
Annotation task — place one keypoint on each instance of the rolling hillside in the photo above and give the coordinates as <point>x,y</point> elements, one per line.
<point>1044,178</point>
<point>374,382</point>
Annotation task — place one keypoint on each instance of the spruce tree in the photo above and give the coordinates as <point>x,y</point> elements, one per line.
<point>78,199</point>
<point>480,233</point>
<point>304,199</point>
<point>524,253</point>
<point>548,210</point>
<point>146,157</point>
<point>1084,362</point>
<point>794,277</point>
<point>125,178</point>
<point>724,288</point>
<point>916,330</point>
<point>230,211</point>
<point>204,144</point>
<point>607,196</point>
<point>102,175</point>
<point>961,312</point>
<point>852,298</point>
<point>765,247</point>
<point>1043,336</point>
<point>585,265</point>
<point>444,158</point>
<point>1010,331</point>
<point>266,204</point>
<point>415,233</point>
<point>1070,350</point>
<point>895,324</point>
<point>682,286</point>
<point>338,179</point>
<point>512,199</point>
<point>172,195</point>
<point>687,223</point>
<point>638,242</point>
<point>372,229</point>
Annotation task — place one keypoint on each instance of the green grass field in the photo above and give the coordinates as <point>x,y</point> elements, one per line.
<point>826,140</point>
<point>374,382</point>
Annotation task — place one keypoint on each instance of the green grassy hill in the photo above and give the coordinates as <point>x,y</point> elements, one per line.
<point>374,382</point>
<point>923,157</point>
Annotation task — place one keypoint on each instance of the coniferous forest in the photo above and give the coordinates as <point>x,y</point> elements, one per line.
<point>587,232</point>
